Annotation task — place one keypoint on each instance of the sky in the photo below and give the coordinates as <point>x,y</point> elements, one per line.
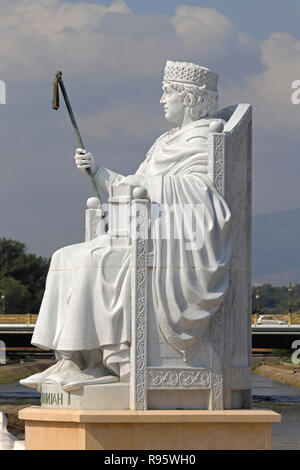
<point>112,54</point>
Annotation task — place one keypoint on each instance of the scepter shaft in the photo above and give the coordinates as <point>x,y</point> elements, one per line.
<point>55,105</point>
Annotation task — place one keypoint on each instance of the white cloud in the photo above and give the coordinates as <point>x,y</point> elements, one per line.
<point>128,119</point>
<point>37,36</point>
<point>113,60</point>
<point>270,90</point>
<point>94,44</point>
<point>49,17</point>
<point>202,29</point>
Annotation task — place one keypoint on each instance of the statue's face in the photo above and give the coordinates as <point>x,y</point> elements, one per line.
<point>173,106</point>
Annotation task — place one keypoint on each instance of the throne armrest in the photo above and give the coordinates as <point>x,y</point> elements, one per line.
<point>94,221</point>
<point>123,211</point>
<point>140,228</point>
<point>129,214</point>
<point>121,215</point>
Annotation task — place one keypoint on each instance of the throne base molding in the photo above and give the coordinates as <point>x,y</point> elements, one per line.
<point>58,429</point>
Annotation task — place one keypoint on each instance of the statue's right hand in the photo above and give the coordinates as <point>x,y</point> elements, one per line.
<point>84,160</point>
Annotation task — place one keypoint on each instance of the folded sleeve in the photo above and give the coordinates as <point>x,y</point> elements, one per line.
<point>105,178</point>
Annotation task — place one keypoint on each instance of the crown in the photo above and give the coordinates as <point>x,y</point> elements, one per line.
<point>188,72</point>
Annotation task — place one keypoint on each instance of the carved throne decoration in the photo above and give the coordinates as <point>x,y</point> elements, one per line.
<point>219,375</point>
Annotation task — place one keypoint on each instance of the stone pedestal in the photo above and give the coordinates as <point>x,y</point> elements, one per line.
<point>49,429</point>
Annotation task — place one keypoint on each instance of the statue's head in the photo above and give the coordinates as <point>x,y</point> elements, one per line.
<point>189,92</point>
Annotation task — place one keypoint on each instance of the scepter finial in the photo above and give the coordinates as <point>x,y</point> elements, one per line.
<point>55,99</point>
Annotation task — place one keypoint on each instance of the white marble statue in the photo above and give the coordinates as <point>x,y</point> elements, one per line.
<point>85,312</point>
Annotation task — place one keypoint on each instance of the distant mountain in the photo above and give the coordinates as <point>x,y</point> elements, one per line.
<point>276,248</point>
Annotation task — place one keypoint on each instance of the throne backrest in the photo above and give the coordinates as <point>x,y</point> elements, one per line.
<point>230,157</point>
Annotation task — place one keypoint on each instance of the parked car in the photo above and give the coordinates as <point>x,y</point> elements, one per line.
<point>269,320</point>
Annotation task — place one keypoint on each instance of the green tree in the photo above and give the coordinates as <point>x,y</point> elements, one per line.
<point>30,270</point>
<point>275,299</point>
<point>16,296</point>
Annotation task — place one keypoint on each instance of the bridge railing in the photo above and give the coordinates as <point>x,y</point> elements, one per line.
<point>18,318</point>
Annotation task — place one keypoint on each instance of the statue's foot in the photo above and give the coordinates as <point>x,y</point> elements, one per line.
<point>91,376</point>
<point>71,361</point>
<point>34,380</point>
<point>66,369</point>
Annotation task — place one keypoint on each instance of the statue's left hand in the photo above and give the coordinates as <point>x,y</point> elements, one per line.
<point>133,180</point>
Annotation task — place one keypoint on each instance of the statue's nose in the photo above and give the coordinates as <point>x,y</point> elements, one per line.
<point>163,99</point>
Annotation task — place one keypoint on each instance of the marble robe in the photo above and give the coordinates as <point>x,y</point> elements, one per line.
<point>86,304</point>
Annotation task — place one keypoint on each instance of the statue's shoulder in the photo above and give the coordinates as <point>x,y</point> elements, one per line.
<point>163,137</point>
<point>167,134</point>
<point>210,123</point>
<point>159,139</point>
<point>203,127</point>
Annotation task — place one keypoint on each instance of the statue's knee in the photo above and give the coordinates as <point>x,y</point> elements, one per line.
<point>61,254</point>
<point>57,254</point>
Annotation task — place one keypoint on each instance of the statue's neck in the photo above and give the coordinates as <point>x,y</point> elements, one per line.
<point>186,120</point>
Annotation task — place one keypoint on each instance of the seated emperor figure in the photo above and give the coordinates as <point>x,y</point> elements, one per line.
<point>86,308</point>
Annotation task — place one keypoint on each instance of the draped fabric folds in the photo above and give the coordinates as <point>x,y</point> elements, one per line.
<point>86,304</point>
<point>191,237</point>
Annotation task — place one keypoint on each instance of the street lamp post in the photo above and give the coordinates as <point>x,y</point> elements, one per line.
<point>257,306</point>
<point>257,301</point>
<point>290,290</point>
<point>3,301</point>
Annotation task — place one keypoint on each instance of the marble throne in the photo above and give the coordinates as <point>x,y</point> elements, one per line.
<point>218,375</point>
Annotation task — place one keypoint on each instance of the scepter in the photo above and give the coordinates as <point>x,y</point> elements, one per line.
<point>55,105</point>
